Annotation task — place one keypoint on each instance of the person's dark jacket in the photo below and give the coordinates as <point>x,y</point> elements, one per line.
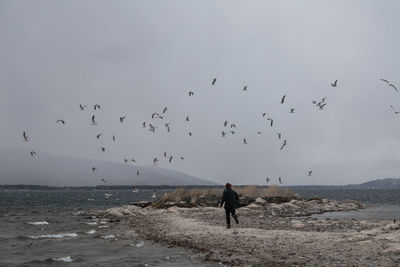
<point>231,199</point>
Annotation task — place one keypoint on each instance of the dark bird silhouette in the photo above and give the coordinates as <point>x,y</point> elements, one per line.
<point>164,110</point>
<point>264,114</point>
<point>121,119</point>
<point>98,136</point>
<point>137,172</point>
<point>223,133</point>
<point>155,161</point>
<point>97,106</point>
<point>394,110</point>
<point>170,159</point>
<point>225,123</point>
<point>386,81</point>
<point>82,107</point>
<point>62,121</point>
<point>133,160</point>
<point>292,110</point>
<point>94,122</point>
<point>279,135</point>
<point>168,128</point>
<point>144,124</point>
<point>280,180</point>
<point>232,132</point>
<point>33,153</point>
<point>213,81</point>
<point>233,125</point>
<point>309,173</point>
<point>258,132</point>
<point>165,154</point>
<point>154,115</point>
<point>126,160</point>
<point>152,128</point>
<point>283,99</point>
<point>244,141</point>
<point>182,158</point>
<point>321,106</point>
<point>103,149</point>
<point>334,84</point>
<point>103,180</point>
<point>114,138</point>
<point>394,87</point>
<point>272,121</point>
<point>245,88</point>
<point>191,93</point>
<point>26,138</point>
<point>267,179</point>
<point>190,133</point>
<point>94,169</point>
<point>283,144</point>
<point>187,118</point>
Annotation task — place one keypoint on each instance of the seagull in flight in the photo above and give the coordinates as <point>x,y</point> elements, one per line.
<point>33,153</point>
<point>94,169</point>
<point>137,172</point>
<point>245,88</point>
<point>144,124</point>
<point>154,114</point>
<point>191,93</point>
<point>267,179</point>
<point>283,99</point>
<point>309,173</point>
<point>155,161</point>
<point>121,119</point>
<point>223,133</point>
<point>394,110</point>
<point>272,121</point>
<point>82,107</point>
<point>187,118</point>
<point>97,106</point>
<point>114,138</point>
<point>244,141</point>
<point>213,81</point>
<point>62,121</point>
<point>103,149</point>
<point>164,110</point>
<point>98,136</point>
<point>225,123</point>
<point>264,114</point>
<point>283,144</point>
<point>280,180</point>
<point>394,87</point>
<point>133,160</point>
<point>334,84</point>
<point>26,138</point>
<point>94,122</point>
<point>170,159</point>
<point>279,135</point>
<point>126,160</point>
<point>233,125</point>
<point>292,110</point>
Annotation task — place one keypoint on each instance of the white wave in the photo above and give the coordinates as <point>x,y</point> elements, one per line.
<point>92,223</point>
<point>38,223</point>
<point>108,236</point>
<point>64,259</point>
<point>54,236</point>
<point>103,226</point>
<point>140,244</point>
<point>91,232</point>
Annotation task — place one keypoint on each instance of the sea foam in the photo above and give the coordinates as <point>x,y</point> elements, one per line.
<point>38,223</point>
<point>54,236</point>
<point>64,259</point>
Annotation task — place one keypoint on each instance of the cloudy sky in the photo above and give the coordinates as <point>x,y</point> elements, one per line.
<point>136,57</point>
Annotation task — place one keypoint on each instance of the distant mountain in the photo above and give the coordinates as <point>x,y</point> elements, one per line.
<point>387,183</point>
<point>17,166</point>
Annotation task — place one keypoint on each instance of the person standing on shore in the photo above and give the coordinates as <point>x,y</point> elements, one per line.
<point>231,200</point>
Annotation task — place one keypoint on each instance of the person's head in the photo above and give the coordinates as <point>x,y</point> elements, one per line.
<point>228,186</point>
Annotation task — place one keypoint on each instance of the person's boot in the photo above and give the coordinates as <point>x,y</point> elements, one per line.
<point>228,227</point>
<point>236,219</point>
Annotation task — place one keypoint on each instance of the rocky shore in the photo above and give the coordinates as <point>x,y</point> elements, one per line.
<point>268,234</point>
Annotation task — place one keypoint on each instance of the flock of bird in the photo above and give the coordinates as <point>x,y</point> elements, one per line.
<point>158,120</point>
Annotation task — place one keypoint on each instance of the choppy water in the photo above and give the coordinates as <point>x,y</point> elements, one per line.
<point>43,228</point>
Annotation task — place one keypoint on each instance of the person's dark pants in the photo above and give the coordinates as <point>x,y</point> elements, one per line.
<point>228,212</point>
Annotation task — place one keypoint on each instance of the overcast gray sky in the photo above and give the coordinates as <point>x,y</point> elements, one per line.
<point>135,57</point>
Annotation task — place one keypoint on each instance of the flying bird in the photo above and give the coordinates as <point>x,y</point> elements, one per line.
<point>107,196</point>
<point>33,153</point>
<point>386,81</point>
<point>103,180</point>
<point>94,121</point>
<point>94,169</point>
<point>232,132</point>
<point>283,144</point>
<point>394,87</point>
<point>321,107</point>
<point>133,160</point>
<point>191,93</point>
<point>165,154</point>
<point>244,141</point>
<point>233,125</point>
<point>394,110</point>
<point>267,179</point>
<point>292,110</point>
<point>152,128</point>
<point>279,135</point>
<point>258,132</point>
<point>98,136</point>
<point>272,121</point>
<point>170,159</point>
<point>62,121</point>
<point>82,107</point>
<point>283,99</point>
<point>190,133</point>
<point>154,114</point>
<point>137,172</point>
<point>126,160</point>
<point>182,158</point>
<point>168,128</point>
<point>334,84</point>
<point>155,160</point>
<point>103,149</point>
<point>264,114</point>
<point>114,138</point>
<point>223,133</point>
<point>280,180</point>
<point>187,118</point>
<point>97,106</point>
<point>309,173</point>
<point>144,124</point>
<point>245,88</point>
<point>121,119</point>
<point>164,110</point>
<point>26,138</point>
<point>225,123</point>
<point>213,81</point>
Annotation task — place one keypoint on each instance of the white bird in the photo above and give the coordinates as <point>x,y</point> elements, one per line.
<point>97,106</point>
<point>26,138</point>
<point>82,107</point>
<point>283,99</point>
<point>121,119</point>
<point>334,84</point>
<point>309,173</point>
<point>62,121</point>
<point>214,80</point>
<point>94,121</point>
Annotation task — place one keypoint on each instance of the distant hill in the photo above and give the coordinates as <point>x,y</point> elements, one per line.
<point>18,167</point>
<point>387,183</point>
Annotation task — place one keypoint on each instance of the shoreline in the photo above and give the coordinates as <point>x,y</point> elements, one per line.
<point>265,237</point>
